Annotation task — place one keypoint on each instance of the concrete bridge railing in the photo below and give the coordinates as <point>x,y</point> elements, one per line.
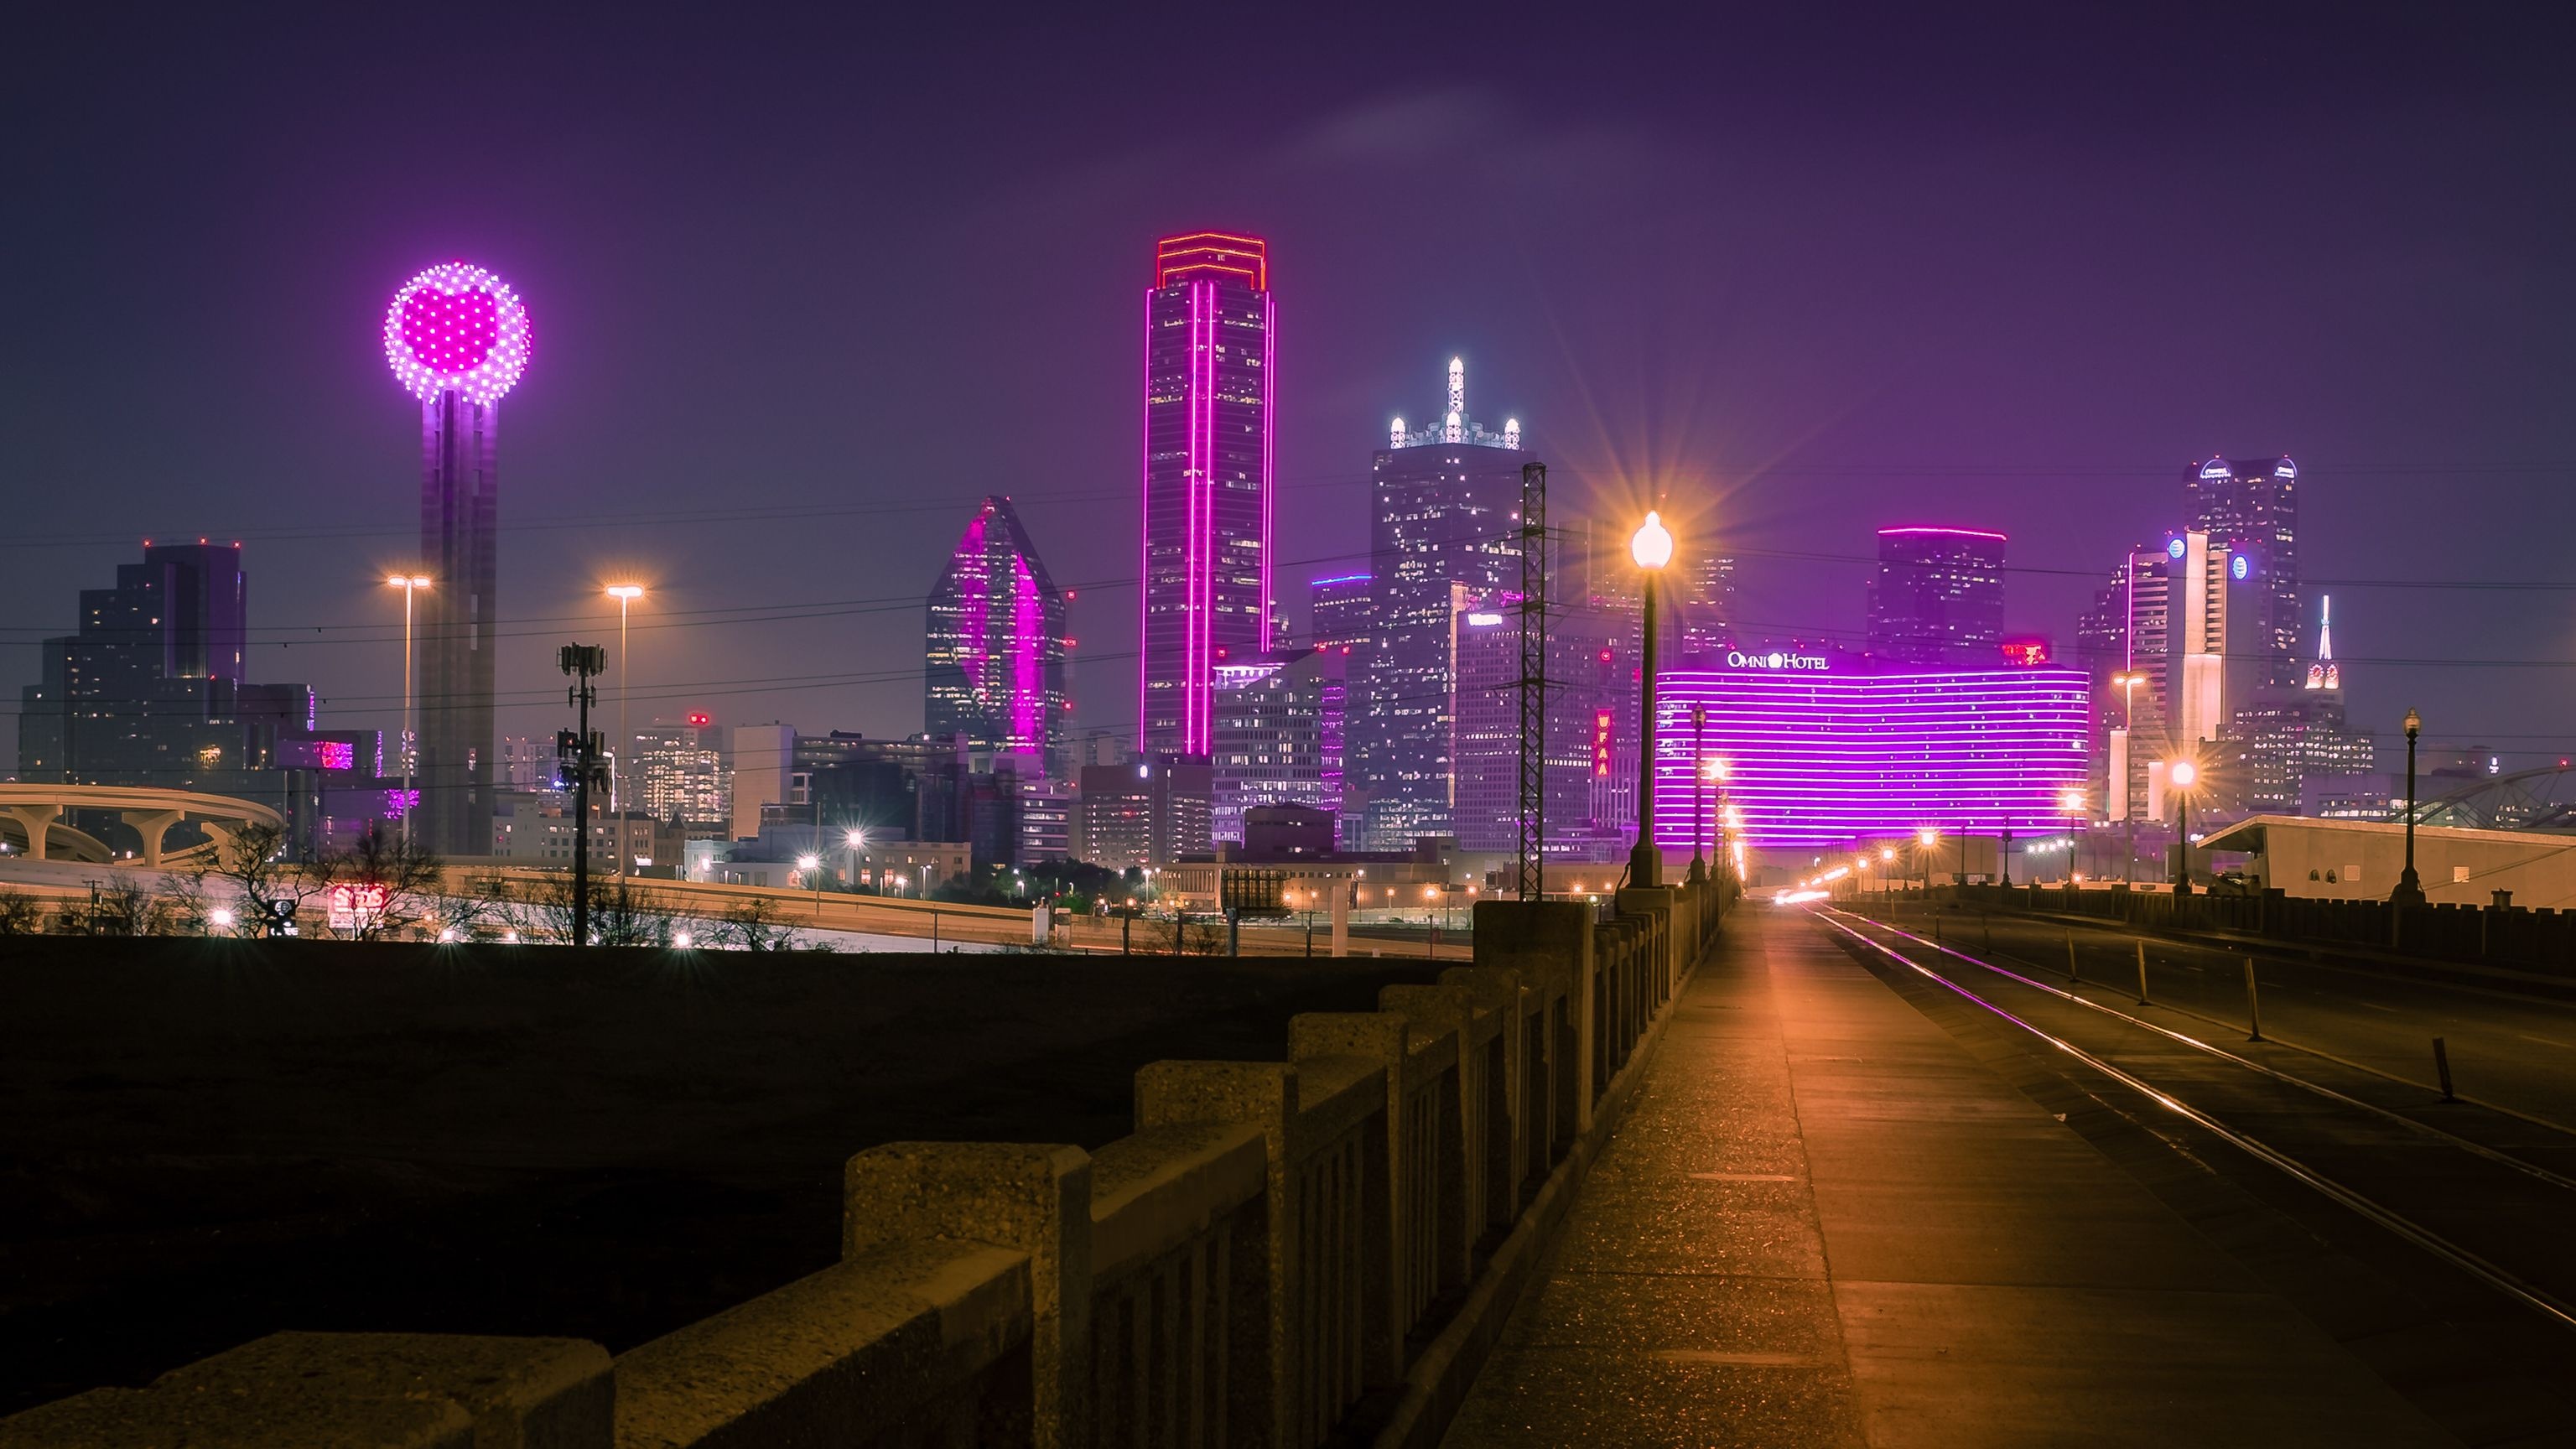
<point>1275,1242</point>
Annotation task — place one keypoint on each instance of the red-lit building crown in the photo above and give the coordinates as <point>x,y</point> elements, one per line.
<point>1213,254</point>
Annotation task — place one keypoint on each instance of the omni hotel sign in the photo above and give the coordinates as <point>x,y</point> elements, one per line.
<point>1815,663</point>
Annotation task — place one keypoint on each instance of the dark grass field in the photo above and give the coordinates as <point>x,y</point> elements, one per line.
<point>205,1141</point>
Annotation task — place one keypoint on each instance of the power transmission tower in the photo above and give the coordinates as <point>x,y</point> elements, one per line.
<point>578,751</point>
<point>1532,864</point>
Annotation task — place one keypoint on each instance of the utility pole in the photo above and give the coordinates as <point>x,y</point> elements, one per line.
<point>1531,867</point>
<point>579,749</point>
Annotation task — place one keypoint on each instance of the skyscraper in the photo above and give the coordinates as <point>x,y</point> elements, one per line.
<point>150,690</point>
<point>995,641</point>
<point>1269,744</point>
<point>2252,507</point>
<point>2282,737</point>
<point>1445,507</point>
<point>1339,607</point>
<point>2120,644</point>
<point>1705,617</point>
<point>680,770</point>
<point>1938,596</point>
<point>457,338</point>
<point>1210,392</point>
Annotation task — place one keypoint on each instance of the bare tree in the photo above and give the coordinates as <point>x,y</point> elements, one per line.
<point>381,860</point>
<point>753,925</point>
<point>21,914</point>
<point>180,907</point>
<point>253,862</point>
<point>118,906</point>
<point>623,913</point>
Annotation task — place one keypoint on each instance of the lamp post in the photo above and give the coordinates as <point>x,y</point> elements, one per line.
<point>2128,682</point>
<point>1652,548</point>
<point>812,865</point>
<point>2185,775</point>
<point>2410,890</point>
<point>409,584</point>
<point>624,594</point>
<point>856,840</point>
<point>1699,790</point>
<point>1930,841</point>
<point>2072,802</point>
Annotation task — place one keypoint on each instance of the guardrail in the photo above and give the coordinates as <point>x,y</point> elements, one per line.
<point>1274,1241</point>
<point>2512,936</point>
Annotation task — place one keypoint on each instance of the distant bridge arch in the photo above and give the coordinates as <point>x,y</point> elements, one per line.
<point>2543,799</point>
<point>31,820</point>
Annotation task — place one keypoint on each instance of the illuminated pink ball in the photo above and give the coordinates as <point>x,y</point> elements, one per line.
<point>457,328</point>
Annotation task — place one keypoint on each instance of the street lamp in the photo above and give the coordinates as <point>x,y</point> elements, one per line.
<point>857,841</point>
<point>2072,802</point>
<point>1652,548</point>
<point>2184,775</point>
<point>625,595</point>
<point>1699,789</point>
<point>812,865</point>
<point>2410,890</point>
<point>409,584</point>
<point>1929,840</point>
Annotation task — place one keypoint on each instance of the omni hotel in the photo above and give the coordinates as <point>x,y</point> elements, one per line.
<point>1826,749</point>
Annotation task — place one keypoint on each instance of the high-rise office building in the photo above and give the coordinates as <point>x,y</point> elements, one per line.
<point>681,772</point>
<point>1210,393</point>
<point>2283,738</point>
<point>2120,645</point>
<point>1588,749</point>
<point>1445,510</point>
<point>1705,619</point>
<point>1938,596</point>
<point>457,338</point>
<point>995,642</point>
<point>1339,607</point>
<point>1270,736</point>
<point>2252,507</point>
<point>1152,812</point>
<point>150,692</point>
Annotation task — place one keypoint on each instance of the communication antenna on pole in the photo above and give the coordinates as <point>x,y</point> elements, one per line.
<point>1532,865</point>
<point>578,751</point>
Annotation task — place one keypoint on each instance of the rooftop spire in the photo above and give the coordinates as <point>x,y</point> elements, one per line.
<point>2323,674</point>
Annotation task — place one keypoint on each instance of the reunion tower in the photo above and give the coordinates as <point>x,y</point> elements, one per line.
<point>457,337</point>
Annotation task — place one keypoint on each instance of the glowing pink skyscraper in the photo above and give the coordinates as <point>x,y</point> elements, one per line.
<point>457,338</point>
<point>994,629</point>
<point>1211,348</point>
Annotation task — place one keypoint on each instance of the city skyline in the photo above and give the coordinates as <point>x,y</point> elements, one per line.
<point>1798,459</point>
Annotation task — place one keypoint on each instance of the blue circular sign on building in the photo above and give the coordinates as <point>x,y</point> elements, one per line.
<point>2174,549</point>
<point>2237,566</point>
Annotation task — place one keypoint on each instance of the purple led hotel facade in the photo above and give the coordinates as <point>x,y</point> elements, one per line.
<point>1210,355</point>
<point>994,639</point>
<point>1822,750</point>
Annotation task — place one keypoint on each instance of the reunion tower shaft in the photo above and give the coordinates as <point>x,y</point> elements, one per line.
<point>457,338</point>
<point>459,509</point>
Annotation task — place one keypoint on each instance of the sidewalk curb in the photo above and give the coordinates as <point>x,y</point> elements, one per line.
<point>1437,1385</point>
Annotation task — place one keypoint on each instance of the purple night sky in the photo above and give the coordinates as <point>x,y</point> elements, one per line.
<point>803,292</point>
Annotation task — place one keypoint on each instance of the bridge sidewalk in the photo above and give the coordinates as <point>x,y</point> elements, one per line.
<point>1824,1223</point>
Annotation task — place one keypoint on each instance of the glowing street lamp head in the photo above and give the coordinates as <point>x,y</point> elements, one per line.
<point>406,581</point>
<point>2185,774</point>
<point>625,591</point>
<point>457,328</point>
<point>1927,838</point>
<point>1652,547</point>
<point>2071,801</point>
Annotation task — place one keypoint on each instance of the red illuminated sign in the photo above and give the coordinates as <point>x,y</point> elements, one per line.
<point>354,905</point>
<point>1601,743</point>
<point>699,719</point>
<point>2028,653</point>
